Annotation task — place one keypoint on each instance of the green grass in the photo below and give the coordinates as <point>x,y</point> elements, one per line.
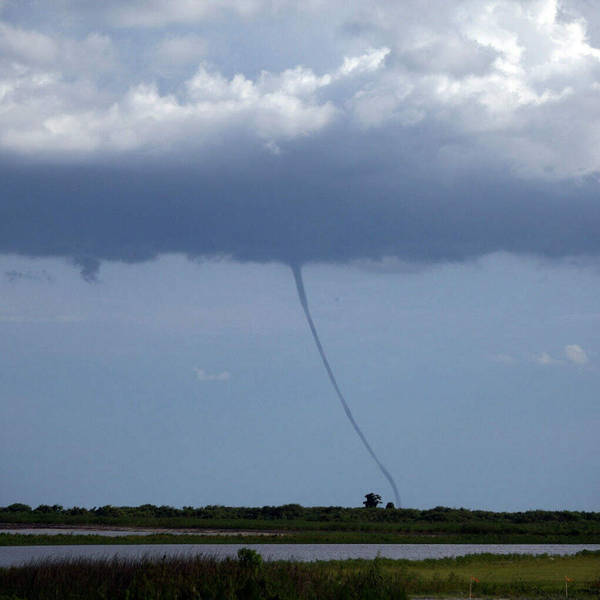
<point>514,576</point>
<point>505,575</point>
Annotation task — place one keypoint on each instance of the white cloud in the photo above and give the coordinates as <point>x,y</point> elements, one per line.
<point>30,46</point>
<point>26,49</point>
<point>506,82</point>
<point>576,354</point>
<point>45,81</point>
<point>545,359</point>
<point>508,77</point>
<point>369,62</point>
<point>270,108</point>
<point>180,49</point>
<point>158,13</point>
<point>202,375</point>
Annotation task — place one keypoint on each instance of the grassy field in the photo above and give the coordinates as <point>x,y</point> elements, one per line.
<point>508,575</point>
<point>514,576</point>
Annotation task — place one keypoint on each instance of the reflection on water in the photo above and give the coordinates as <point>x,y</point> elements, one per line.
<point>16,555</point>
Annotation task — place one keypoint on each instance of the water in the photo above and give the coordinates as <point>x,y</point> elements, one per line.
<point>126,531</point>
<point>18,555</point>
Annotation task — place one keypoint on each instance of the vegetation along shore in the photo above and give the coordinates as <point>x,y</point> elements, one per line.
<point>293,523</point>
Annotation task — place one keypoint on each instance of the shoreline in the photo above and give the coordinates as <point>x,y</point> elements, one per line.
<point>59,528</point>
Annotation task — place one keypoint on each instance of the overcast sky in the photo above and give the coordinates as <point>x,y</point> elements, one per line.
<point>433,166</point>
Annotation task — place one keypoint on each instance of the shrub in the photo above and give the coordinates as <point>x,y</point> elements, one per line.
<point>249,559</point>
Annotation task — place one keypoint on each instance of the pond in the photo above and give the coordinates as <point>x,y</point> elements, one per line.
<point>17,555</point>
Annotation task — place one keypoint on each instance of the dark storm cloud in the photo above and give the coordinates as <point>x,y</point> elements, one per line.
<point>14,276</point>
<point>299,207</point>
<point>429,133</point>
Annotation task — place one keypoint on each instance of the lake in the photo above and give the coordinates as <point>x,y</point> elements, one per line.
<point>18,555</point>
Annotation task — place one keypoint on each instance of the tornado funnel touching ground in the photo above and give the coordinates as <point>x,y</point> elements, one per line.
<point>297,270</point>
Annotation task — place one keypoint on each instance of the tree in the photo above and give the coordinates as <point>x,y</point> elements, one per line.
<point>372,500</point>
<point>18,507</point>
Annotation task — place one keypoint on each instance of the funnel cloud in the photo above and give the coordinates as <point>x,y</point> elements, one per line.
<point>297,270</point>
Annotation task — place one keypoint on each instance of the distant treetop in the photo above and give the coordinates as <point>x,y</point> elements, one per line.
<point>372,500</point>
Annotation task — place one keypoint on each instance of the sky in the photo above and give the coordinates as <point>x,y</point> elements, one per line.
<point>432,167</point>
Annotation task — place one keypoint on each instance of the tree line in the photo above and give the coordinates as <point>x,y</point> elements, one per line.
<point>296,512</point>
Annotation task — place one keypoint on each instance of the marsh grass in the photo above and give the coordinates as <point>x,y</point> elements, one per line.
<point>249,578</point>
<point>196,578</point>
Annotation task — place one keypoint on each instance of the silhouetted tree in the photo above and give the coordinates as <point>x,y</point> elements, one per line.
<point>372,500</point>
<point>18,507</point>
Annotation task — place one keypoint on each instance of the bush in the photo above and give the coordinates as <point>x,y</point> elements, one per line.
<point>249,559</point>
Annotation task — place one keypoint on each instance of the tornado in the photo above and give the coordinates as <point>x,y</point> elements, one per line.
<point>297,270</point>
